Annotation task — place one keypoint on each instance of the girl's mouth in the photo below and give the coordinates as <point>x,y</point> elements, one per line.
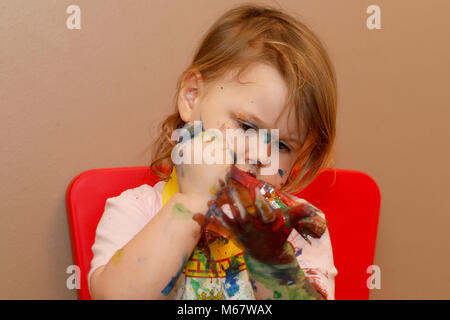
<point>248,169</point>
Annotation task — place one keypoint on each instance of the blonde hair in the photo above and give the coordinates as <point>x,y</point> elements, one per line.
<point>252,33</point>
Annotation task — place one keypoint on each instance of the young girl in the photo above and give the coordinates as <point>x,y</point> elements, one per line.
<point>256,68</point>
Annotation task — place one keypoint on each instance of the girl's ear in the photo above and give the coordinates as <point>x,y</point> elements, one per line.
<point>187,97</point>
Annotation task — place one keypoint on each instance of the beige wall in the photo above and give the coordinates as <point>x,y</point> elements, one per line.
<point>73,100</point>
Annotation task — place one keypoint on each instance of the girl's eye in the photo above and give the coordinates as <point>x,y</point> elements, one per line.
<point>283,147</point>
<point>246,125</point>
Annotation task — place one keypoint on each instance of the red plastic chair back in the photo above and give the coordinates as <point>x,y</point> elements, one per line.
<point>351,203</point>
<point>85,202</point>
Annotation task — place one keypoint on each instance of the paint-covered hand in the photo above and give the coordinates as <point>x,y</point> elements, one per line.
<point>259,228</point>
<point>199,159</point>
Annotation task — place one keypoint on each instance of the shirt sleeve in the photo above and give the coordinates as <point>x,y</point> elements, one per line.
<point>316,261</point>
<point>124,216</point>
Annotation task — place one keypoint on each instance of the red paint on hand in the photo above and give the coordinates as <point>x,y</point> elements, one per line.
<point>258,227</point>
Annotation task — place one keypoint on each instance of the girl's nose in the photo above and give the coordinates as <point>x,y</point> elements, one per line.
<point>262,158</point>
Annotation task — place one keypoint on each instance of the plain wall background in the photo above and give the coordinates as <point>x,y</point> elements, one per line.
<point>73,100</point>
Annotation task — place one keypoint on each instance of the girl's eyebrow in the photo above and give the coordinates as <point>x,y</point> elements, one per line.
<point>251,119</point>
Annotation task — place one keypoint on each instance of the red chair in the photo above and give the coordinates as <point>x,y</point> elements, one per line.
<point>350,200</point>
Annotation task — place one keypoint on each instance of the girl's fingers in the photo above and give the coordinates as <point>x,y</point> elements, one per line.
<point>241,215</point>
<point>220,190</point>
<point>212,205</point>
<point>201,219</point>
<point>212,224</point>
<point>223,190</point>
<point>258,202</point>
<point>267,213</point>
<point>215,207</point>
<point>245,197</point>
<point>217,227</point>
<point>301,211</point>
<point>314,226</point>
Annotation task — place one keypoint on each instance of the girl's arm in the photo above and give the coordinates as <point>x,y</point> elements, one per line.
<point>148,266</point>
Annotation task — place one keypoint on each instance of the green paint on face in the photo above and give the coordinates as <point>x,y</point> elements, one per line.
<point>180,211</point>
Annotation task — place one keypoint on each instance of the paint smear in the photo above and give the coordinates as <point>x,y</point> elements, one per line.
<point>277,295</point>
<point>242,116</point>
<point>174,279</point>
<point>288,281</point>
<point>253,283</point>
<point>180,211</point>
<point>268,138</point>
<point>231,286</point>
<point>195,285</point>
<point>117,257</point>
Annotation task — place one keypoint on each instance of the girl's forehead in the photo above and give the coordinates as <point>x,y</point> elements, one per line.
<point>261,94</point>
<point>263,83</point>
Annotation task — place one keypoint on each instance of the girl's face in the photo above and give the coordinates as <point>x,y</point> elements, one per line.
<point>256,103</point>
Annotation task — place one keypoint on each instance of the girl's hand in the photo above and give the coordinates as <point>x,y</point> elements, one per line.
<point>242,213</point>
<point>201,179</point>
<point>260,229</point>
